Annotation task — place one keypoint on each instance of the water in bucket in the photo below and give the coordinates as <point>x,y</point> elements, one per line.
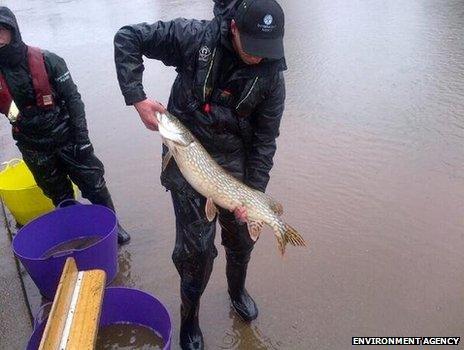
<point>126,336</point>
<point>71,245</point>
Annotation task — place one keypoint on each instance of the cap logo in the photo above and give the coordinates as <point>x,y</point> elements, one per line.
<point>205,52</point>
<point>268,25</point>
<point>268,20</point>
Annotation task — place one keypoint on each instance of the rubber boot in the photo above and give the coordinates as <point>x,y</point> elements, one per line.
<point>236,270</point>
<point>191,337</point>
<point>194,278</point>
<point>123,236</point>
<point>103,197</point>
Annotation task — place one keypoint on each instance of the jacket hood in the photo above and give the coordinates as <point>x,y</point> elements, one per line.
<point>7,17</point>
<point>15,51</point>
<point>225,8</point>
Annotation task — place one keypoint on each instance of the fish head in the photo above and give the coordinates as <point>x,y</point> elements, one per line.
<point>172,130</point>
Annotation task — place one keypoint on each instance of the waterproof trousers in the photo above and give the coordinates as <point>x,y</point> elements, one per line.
<point>194,253</point>
<point>54,170</point>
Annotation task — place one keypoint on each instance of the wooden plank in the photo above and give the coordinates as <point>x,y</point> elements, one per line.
<point>75,314</point>
<point>84,328</point>
<point>58,314</point>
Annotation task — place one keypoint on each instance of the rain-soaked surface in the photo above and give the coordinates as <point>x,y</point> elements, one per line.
<point>369,168</point>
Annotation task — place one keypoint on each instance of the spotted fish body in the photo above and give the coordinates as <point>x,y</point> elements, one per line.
<point>219,187</point>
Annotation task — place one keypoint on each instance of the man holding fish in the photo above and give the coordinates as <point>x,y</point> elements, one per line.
<point>228,100</point>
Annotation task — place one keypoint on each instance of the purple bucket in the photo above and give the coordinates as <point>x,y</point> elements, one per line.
<point>123,305</point>
<point>62,225</point>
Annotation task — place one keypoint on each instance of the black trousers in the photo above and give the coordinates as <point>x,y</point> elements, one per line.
<point>54,170</point>
<point>194,250</point>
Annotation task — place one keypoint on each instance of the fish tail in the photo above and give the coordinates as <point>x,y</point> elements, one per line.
<point>287,234</point>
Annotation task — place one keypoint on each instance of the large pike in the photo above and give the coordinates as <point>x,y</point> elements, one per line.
<point>219,187</point>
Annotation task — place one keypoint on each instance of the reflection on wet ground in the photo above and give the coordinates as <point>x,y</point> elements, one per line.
<point>124,276</point>
<point>369,168</point>
<point>243,336</point>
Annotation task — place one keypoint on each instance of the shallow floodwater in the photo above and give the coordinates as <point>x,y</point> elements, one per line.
<point>369,168</point>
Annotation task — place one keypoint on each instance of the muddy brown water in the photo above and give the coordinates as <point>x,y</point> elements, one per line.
<point>128,337</point>
<point>73,244</point>
<point>369,168</point>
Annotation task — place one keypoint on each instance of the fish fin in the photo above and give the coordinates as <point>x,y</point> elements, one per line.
<point>210,209</point>
<point>276,206</point>
<point>287,234</point>
<point>281,245</point>
<point>292,236</point>
<point>254,229</point>
<point>167,157</point>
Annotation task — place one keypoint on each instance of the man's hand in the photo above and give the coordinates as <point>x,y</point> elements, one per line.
<point>241,214</point>
<point>147,109</point>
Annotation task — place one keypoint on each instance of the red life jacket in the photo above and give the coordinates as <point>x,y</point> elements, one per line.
<point>40,82</point>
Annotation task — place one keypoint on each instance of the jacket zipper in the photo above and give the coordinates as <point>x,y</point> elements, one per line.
<point>248,94</point>
<point>207,74</point>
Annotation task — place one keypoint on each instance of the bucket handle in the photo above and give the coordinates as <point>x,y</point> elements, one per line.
<point>12,162</point>
<point>40,316</point>
<point>68,202</point>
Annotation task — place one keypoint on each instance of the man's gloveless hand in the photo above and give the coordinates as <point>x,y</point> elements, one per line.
<point>147,109</point>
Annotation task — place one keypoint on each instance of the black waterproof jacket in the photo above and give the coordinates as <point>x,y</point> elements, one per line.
<point>233,109</point>
<point>41,129</point>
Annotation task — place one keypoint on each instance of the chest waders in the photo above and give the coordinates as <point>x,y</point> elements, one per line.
<point>194,250</point>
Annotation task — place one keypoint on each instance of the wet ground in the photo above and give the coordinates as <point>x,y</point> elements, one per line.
<point>369,168</point>
<point>15,319</point>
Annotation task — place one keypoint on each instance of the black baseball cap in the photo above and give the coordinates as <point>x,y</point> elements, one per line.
<point>261,27</point>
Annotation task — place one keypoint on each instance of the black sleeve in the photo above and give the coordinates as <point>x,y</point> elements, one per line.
<point>170,42</point>
<point>266,123</point>
<point>66,91</point>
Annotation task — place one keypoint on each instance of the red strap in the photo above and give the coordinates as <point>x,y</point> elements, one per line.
<point>43,90</point>
<point>207,108</point>
<point>5,96</point>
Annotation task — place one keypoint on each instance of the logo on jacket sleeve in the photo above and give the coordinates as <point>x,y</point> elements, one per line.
<point>205,52</point>
<point>63,77</point>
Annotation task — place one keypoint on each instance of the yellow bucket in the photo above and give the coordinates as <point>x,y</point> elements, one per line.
<point>20,193</point>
